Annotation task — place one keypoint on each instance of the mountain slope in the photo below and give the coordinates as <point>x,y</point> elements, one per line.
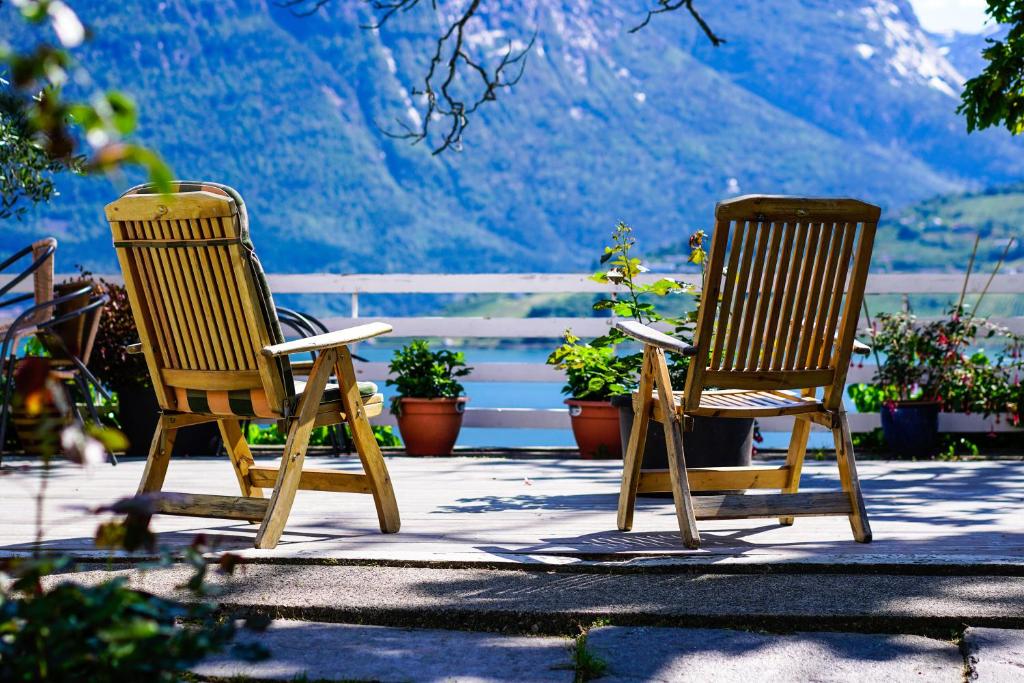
<point>652,127</point>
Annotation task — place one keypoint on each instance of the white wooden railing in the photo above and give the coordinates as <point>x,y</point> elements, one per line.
<point>352,286</point>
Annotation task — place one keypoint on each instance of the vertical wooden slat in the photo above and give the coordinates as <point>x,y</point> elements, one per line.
<point>149,334</point>
<point>835,281</point>
<point>770,342</point>
<point>735,319</point>
<point>170,283</point>
<point>161,291</point>
<point>185,285</point>
<point>765,296</point>
<point>729,288</point>
<point>150,305</point>
<point>753,295</point>
<point>833,398</point>
<point>245,350</point>
<point>839,287</point>
<point>806,268</point>
<point>220,296</point>
<point>789,298</point>
<point>232,312</point>
<point>813,310</point>
<point>201,277</point>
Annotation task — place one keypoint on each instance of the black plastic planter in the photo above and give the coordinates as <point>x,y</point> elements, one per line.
<point>714,441</point>
<point>138,413</point>
<point>911,429</point>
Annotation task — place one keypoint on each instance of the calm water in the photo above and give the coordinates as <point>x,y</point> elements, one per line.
<point>530,395</point>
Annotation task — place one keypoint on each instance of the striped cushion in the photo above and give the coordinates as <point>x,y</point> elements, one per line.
<point>252,402</point>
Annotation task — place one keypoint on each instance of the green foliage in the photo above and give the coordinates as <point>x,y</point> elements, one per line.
<point>26,170</point>
<point>593,370</point>
<point>41,131</point>
<point>593,373</point>
<point>272,435</point>
<point>106,632</point>
<point>588,665</point>
<point>422,373</point>
<point>869,398</point>
<point>996,95</point>
<point>52,630</point>
<point>111,362</point>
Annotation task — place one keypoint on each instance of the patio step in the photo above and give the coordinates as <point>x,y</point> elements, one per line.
<point>560,602</point>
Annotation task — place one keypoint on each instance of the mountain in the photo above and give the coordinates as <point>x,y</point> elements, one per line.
<point>847,97</point>
<point>963,50</point>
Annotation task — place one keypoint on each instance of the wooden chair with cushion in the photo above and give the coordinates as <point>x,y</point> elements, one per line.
<point>215,351</point>
<point>782,295</point>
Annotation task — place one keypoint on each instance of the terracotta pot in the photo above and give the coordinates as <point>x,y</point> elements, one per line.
<point>595,424</point>
<point>430,426</point>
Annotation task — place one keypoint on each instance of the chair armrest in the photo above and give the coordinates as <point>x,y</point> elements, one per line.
<point>133,349</point>
<point>329,340</point>
<point>861,348</point>
<point>651,336</point>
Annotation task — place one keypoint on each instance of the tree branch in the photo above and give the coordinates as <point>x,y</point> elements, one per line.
<point>673,5</point>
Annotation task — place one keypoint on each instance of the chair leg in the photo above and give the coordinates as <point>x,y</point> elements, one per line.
<point>159,456</point>
<point>795,459</point>
<point>366,445</point>
<point>634,456</point>
<point>288,474</point>
<point>239,455</point>
<point>850,480</point>
<point>676,458</point>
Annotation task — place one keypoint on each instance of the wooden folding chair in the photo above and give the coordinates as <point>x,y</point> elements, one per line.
<point>215,352</point>
<point>782,296</point>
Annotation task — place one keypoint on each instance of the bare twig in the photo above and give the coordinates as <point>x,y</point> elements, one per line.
<point>673,5</point>
<point>309,6</point>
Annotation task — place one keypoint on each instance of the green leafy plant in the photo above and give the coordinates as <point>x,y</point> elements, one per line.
<point>934,361</point>
<point>996,95</point>
<point>272,435</point>
<point>422,373</point>
<point>593,372</point>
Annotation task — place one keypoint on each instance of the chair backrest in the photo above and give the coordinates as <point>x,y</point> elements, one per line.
<point>782,295</point>
<point>42,278</point>
<point>200,300</point>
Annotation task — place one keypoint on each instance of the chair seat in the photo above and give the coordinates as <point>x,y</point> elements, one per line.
<point>333,393</point>
<point>750,403</point>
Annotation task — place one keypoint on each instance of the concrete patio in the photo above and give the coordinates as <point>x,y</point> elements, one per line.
<point>556,512</point>
<point>502,562</point>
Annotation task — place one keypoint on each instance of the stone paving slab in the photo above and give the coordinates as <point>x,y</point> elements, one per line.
<point>724,656</point>
<point>343,652</point>
<point>487,510</point>
<point>994,654</point>
<point>555,601</point>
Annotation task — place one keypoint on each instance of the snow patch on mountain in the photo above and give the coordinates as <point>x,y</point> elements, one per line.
<point>909,51</point>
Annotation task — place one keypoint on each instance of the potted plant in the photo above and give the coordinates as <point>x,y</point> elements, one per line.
<point>430,401</point>
<point>713,441</point>
<point>927,368</point>
<point>594,375</point>
<point>128,377</point>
